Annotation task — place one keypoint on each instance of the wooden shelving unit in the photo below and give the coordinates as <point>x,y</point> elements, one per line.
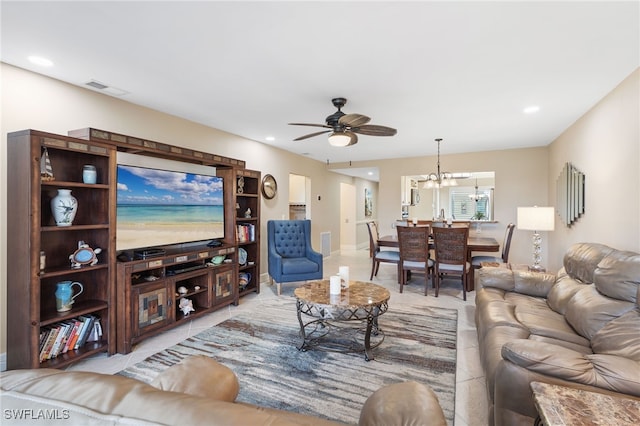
<point>118,293</point>
<point>246,222</point>
<point>31,305</point>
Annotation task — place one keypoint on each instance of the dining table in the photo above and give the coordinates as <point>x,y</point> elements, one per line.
<point>474,243</point>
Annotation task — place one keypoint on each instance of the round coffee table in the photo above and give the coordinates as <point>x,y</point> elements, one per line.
<point>332,316</point>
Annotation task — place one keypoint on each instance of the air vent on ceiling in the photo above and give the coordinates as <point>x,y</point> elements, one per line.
<point>104,88</point>
<point>97,85</point>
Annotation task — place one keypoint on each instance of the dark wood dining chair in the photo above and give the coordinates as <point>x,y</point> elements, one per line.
<point>506,246</point>
<point>378,256</point>
<point>413,242</point>
<point>504,258</point>
<point>451,255</point>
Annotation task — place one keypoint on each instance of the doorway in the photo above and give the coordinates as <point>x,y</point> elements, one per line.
<point>347,217</point>
<point>299,197</point>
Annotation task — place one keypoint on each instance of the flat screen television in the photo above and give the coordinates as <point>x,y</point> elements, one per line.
<point>164,203</point>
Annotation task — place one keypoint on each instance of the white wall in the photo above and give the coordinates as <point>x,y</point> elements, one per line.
<point>604,144</point>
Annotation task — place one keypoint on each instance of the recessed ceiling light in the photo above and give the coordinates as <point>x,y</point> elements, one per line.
<point>39,60</point>
<point>531,109</point>
<point>370,173</point>
<point>270,138</point>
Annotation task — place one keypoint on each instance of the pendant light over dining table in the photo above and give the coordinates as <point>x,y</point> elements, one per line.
<point>439,179</point>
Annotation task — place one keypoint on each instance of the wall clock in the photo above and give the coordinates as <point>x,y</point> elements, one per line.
<point>269,187</point>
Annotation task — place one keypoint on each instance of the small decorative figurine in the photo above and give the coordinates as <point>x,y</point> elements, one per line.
<point>247,214</point>
<point>85,255</point>
<point>46,171</point>
<point>186,306</point>
<point>240,185</point>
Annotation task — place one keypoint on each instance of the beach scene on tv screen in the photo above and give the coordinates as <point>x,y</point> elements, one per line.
<point>161,207</point>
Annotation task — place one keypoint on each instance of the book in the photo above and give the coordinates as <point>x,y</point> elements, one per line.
<point>47,343</point>
<point>55,350</point>
<point>44,333</point>
<point>53,335</point>
<point>73,336</point>
<point>87,325</point>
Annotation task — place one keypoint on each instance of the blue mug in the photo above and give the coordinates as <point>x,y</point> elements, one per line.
<point>65,296</point>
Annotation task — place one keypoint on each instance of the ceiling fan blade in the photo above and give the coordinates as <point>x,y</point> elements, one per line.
<point>353,136</point>
<point>309,124</point>
<point>373,130</point>
<point>354,120</point>
<point>310,135</point>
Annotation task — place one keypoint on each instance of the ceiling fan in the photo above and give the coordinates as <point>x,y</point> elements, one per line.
<point>343,127</point>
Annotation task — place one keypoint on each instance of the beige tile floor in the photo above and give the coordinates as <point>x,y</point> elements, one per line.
<point>471,398</point>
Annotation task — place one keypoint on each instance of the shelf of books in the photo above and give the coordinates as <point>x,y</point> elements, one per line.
<point>64,337</point>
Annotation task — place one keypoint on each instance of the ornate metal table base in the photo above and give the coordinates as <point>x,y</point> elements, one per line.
<point>341,323</point>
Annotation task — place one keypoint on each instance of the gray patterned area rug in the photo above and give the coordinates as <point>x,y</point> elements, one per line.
<point>261,348</point>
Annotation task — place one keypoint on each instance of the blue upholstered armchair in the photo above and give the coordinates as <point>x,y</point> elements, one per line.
<point>291,257</point>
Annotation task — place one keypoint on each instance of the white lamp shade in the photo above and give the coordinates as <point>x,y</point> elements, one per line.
<point>536,218</point>
<point>339,139</point>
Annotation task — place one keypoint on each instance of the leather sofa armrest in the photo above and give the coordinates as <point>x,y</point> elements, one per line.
<point>402,404</point>
<point>501,278</point>
<point>199,375</point>
<point>600,370</point>
<point>519,281</point>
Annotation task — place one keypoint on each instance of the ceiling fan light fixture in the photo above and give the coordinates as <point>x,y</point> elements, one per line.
<point>339,139</point>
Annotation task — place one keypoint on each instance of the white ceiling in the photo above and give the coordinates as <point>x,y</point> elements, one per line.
<point>462,71</point>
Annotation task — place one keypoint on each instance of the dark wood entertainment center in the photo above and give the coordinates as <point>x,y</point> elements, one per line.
<point>133,298</point>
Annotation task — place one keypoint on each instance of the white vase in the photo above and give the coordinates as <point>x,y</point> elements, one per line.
<point>64,207</point>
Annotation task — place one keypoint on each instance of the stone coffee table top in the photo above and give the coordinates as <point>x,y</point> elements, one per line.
<point>358,294</point>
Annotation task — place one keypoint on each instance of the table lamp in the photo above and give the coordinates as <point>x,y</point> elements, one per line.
<point>536,219</point>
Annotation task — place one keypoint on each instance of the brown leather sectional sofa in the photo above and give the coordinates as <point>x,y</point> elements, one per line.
<point>198,391</point>
<point>579,328</point>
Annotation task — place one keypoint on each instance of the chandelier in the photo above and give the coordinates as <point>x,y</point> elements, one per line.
<point>438,179</point>
<point>477,196</point>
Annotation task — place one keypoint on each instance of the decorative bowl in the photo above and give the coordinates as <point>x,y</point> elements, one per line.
<point>216,260</point>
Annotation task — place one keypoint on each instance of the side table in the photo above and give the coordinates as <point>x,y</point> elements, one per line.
<point>560,406</point>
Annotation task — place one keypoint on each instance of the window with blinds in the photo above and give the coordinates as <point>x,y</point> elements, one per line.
<point>466,204</point>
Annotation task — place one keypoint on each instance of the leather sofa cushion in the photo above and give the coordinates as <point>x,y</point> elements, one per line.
<point>532,283</point>
<point>605,371</point>
<point>581,260</point>
<point>588,311</point>
<point>560,294</point>
<point>407,403</point>
<point>129,398</point>
<point>618,276</point>
<point>16,406</point>
<point>519,281</point>
<point>620,337</point>
<point>496,314</point>
<point>542,321</point>
<point>211,379</point>
<point>557,342</point>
